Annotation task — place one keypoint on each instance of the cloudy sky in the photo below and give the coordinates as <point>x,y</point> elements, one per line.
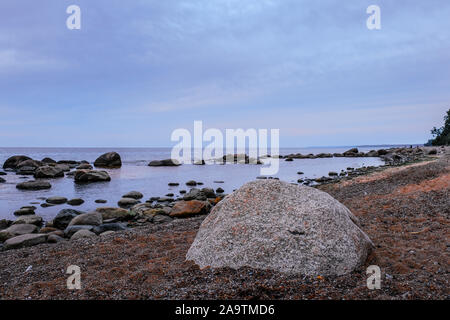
<point>139,69</point>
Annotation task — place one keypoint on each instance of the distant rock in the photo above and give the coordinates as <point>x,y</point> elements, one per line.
<point>34,185</point>
<point>100,201</point>
<point>84,166</point>
<point>56,200</point>
<point>29,210</point>
<point>48,160</point>
<point>85,176</point>
<point>191,183</point>
<point>164,163</point>
<point>2,180</point>
<point>48,172</point>
<point>351,153</point>
<point>12,162</point>
<point>127,202</point>
<point>75,202</point>
<point>108,160</point>
<point>134,195</point>
<point>269,224</point>
<point>25,240</point>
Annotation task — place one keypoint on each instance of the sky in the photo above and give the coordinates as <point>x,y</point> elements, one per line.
<point>137,70</point>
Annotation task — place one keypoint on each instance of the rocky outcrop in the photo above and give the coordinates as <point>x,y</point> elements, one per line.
<point>108,160</point>
<point>269,224</point>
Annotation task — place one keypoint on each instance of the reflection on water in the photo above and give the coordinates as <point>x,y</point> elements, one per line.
<point>152,181</point>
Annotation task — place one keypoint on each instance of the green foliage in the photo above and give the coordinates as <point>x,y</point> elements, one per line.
<point>442,134</point>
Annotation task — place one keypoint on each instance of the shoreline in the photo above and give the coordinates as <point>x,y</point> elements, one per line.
<point>407,221</point>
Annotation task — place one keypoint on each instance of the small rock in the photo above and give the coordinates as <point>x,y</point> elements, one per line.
<point>82,234</point>
<point>100,201</point>
<point>24,212</point>
<point>127,202</point>
<point>53,238</point>
<point>56,200</point>
<point>164,163</point>
<point>134,195</point>
<point>75,202</point>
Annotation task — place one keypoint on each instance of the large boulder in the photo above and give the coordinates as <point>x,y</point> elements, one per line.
<point>34,185</point>
<point>12,162</point>
<point>108,160</point>
<point>17,230</point>
<point>164,163</point>
<point>269,224</point>
<point>91,176</point>
<point>49,172</point>
<point>63,218</point>
<point>25,240</point>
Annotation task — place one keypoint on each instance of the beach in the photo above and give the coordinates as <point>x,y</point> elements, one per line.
<point>405,210</point>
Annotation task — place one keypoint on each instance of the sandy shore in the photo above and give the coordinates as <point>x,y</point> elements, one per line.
<point>404,210</point>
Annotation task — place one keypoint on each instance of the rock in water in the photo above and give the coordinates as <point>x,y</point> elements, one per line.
<point>13,161</point>
<point>108,160</point>
<point>34,185</point>
<point>83,176</point>
<point>48,172</point>
<point>269,224</point>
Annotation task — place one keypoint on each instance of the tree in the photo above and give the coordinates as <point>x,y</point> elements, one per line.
<point>442,134</point>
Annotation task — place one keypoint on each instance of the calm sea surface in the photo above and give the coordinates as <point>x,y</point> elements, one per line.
<point>152,181</point>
